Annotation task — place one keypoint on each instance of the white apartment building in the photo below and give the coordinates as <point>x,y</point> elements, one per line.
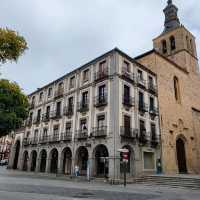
<point>84,117</point>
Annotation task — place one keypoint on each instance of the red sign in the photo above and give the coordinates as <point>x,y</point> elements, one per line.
<point>125,156</point>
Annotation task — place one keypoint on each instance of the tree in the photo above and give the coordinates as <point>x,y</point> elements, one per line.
<point>12,45</point>
<point>13,107</point>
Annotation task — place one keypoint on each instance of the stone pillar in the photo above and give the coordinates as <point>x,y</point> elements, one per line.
<point>37,169</point>
<point>59,167</point>
<point>114,168</point>
<point>48,165</point>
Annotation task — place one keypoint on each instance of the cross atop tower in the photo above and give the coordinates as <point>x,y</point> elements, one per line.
<point>171,17</point>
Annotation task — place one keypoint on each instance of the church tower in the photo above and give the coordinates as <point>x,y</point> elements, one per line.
<point>176,42</point>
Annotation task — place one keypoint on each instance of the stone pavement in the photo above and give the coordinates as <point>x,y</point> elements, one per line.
<point>24,187</point>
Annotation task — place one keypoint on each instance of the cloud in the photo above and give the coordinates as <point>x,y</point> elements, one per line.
<point>62,35</point>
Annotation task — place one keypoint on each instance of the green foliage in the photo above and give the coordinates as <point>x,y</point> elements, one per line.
<point>13,107</point>
<point>12,45</point>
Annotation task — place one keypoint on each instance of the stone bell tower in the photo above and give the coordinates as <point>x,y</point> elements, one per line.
<point>176,42</point>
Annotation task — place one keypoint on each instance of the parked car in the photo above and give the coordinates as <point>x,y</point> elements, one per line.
<point>4,162</point>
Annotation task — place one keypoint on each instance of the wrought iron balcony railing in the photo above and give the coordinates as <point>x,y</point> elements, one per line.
<point>68,110</point>
<point>99,131</point>
<point>143,137</point>
<point>101,100</point>
<point>66,136</point>
<point>83,106</point>
<point>152,88</point>
<point>128,75</point>
<point>81,134</point>
<point>36,120</point>
<point>141,82</point>
<point>46,117</point>
<point>54,138</point>
<point>142,107</point>
<point>153,111</point>
<point>44,139</point>
<point>55,114</point>
<point>128,101</point>
<point>59,93</point>
<point>127,132</point>
<point>33,140</point>
<point>101,74</point>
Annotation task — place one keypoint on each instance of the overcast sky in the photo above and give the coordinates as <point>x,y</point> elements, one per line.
<point>64,34</point>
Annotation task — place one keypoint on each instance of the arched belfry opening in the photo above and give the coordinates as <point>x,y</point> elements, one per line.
<point>181,156</point>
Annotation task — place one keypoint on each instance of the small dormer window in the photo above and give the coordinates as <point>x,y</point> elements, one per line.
<point>126,66</point>
<point>85,75</point>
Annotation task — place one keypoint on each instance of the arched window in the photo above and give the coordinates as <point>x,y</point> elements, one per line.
<point>172,42</point>
<point>177,90</point>
<point>164,46</point>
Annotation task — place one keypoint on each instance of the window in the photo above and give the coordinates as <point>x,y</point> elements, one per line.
<point>151,104</point>
<point>177,90</point>
<point>85,75</point>
<point>50,92</point>
<point>141,100</point>
<point>60,86</point>
<point>172,43</point>
<point>164,46</point>
<point>126,92</point>
<point>38,115</point>
<point>48,112</point>
<point>36,134</point>
<point>187,42</point>
<point>140,75</point>
<point>126,66</point>
<point>150,81</point>
<point>27,134</point>
<point>56,130</point>
<point>101,121</point>
<point>41,96</point>
<point>102,66</point>
<point>68,127</point>
<point>127,124</point>
<point>58,108</point>
<point>45,133</point>
<point>85,98</point>
<point>142,127</point>
<point>33,100</point>
<point>72,82</point>
<point>83,125</point>
<point>191,46</point>
<point>153,131</point>
<point>31,116</point>
<point>102,90</point>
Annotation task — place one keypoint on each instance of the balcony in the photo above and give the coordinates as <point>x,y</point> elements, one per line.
<point>100,75</point>
<point>101,100</point>
<point>128,101</point>
<point>59,93</point>
<point>46,117</point>
<point>55,115</point>
<point>153,111</point>
<point>127,132</point>
<point>68,110</point>
<point>66,136</point>
<point>99,131</point>
<point>28,122</point>
<point>54,138</point>
<point>154,139</point>
<point>141,82</point>
<point>25,142</point>
<point>152,88</point>
<point>127,75</point>
<point>143,107</point>
<point>36,120</point>
<point>33,141</point>
<point>81,135</point>
<point>32,105</point>
<point>44,139</point>
<point>143,138</point>
<point>83,106</point>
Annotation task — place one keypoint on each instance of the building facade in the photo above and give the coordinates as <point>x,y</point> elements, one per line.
<point>83,118</point>
<point>174,60</point>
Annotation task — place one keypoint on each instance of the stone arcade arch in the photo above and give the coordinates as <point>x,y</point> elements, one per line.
<point>33,160</point>
<point>101,161</point>
<point>130,165</point>
<point>66,159</point>
<point>54,161</point>
<point>43,160</point>
<point>16,158</point>
<point>25,161</point>
<point>181,155</point>
<point>81,159</point>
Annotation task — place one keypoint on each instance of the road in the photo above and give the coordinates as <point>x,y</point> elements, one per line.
<point>22,186</point>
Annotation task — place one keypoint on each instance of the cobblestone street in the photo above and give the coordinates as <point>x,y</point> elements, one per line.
<point>16,186</point>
